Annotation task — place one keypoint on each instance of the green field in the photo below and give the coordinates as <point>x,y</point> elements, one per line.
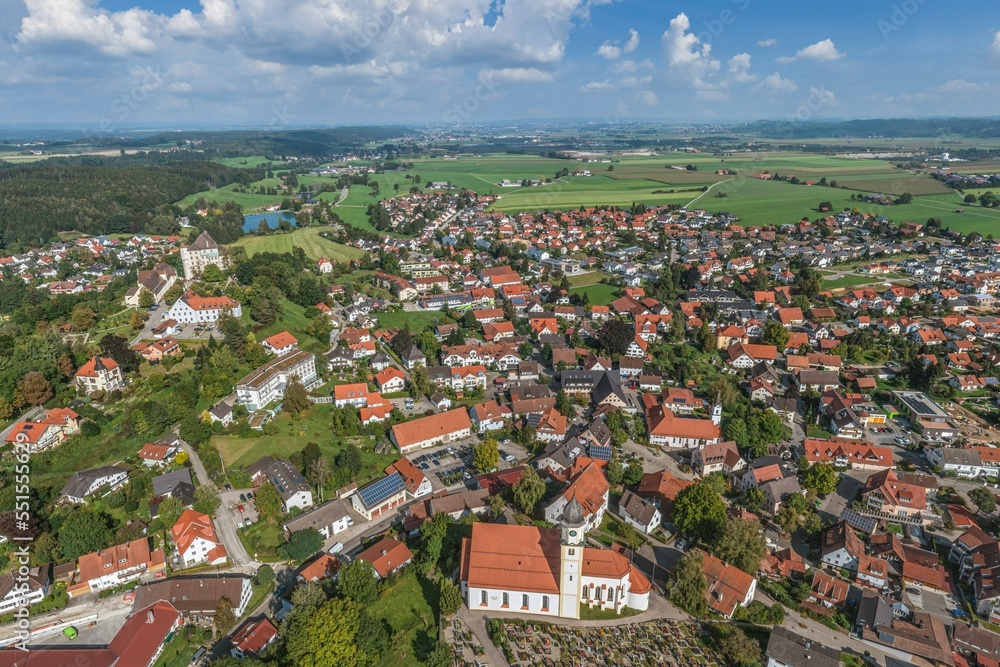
<point>853,281</point>
<point>599,295</point>
<point>588,278</point>
<point>417,320</point>
<point>573,192</point>
<point>410,607</point>
<point>247,162</point>
<point>309,239</point>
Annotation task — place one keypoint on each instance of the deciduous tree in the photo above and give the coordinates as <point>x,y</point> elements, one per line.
<point>687,586</point>
<point>528,490</point>
<point>699,512</point>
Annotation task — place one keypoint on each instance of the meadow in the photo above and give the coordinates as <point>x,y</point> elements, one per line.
<point>597,295</point>
<point>309,239</point>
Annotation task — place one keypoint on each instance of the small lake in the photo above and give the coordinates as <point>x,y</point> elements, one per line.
<point>252,222</point>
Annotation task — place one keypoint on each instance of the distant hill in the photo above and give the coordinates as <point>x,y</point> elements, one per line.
<point>983,128</point>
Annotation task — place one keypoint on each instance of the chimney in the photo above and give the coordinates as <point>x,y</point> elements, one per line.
<point>149,616</point>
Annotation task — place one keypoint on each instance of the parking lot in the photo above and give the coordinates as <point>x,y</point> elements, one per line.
<point>232,501</point>
<point>451,465</point>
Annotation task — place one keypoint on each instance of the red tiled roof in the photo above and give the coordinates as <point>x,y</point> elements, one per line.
<point>386,556</point>
<point>521,558</point>
<point>432,426</point>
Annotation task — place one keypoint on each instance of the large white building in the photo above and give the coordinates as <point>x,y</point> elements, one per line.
<point>268,382</point>
<point>201,253</point>
<point>194,309</point>
<point>523,569</point>
<point>99,374</point>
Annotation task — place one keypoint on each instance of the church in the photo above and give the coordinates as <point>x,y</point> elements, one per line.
<point>546,571</point>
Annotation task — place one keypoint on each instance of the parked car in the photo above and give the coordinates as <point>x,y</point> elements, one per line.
<point>243,498</point>
<point>198,655</point>
<point>246,521</point>
<point>70,632</point>
<point>336,548</point>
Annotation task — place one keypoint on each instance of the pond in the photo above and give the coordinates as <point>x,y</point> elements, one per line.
<point>252,222</point>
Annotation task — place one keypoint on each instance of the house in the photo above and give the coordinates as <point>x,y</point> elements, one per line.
<point>829,591</point>
<point>268,383</point>
<point>552,426</point>
<point>886,492</point>
<point>115,566</point>
<point>280,344</point>
<point>323,265</point>
<point>386,556</point>
<point>661,489</point>
<point>668,430</point>
<point>49,430</point>
<point>355,394</point>
<point>99,374</point>
<point>545,571</point>
<point>841,547</point>
<point>154,352</point>
<point>156,455</point>
<point>174,484</point>
<point>82,485</point>
<point>745,355</point>
<point>413,357</point>
<point>728,586</point>
<point>819,381</point>
<point>254,636</point>
<point>873,572</point>
<point>843,453</point>
<point>431,430</point>
<point>197,598</point>
<point>589,488</point>
<point>155,282</point>
<point>642,514</point>
<point>783,564</point>
<point>390,380</point>
<point>30,587</point>
<point>201,253</point>
<point>329,518</point>
<point>416,483</point>
<point>196,541</point>
<point>787,649</point>
<point>380,496</point>
<point>487,416</point>
<point>325,566</point>
<point>295,492</point>
<point>721,457</point>
<point>194,309</point>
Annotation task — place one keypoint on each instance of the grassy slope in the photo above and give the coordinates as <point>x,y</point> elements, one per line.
<point>314,245</point>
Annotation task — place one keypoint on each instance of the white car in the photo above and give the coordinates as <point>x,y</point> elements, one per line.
<point>336,548</point>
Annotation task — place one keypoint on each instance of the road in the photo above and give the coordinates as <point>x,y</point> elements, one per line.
<point>238,556</point>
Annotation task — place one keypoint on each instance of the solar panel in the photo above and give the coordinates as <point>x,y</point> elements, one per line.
<point>599,452</point>
<point>992,381</point>
<point>379,490</point>
<point>858,521</point>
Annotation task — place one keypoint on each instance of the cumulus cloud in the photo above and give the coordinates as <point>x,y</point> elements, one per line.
<point>609,51</point>
<point>775,84</point>
<point>738,69</point>
<point>822,51</point>
<point>995,46</point>
<point>960,87</point>
<point>765,43</point>
<point>597,86</point>
<point>686,61</point>
<point>118,34</point>
<point>633,41</point>
<point>517,75</point>
<point>647,98</point>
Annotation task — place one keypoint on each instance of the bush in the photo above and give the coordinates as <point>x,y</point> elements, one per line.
<point>90,429</point>
<point>265,575</point>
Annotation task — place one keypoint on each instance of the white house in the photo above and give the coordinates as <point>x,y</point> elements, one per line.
<point>643,515</point>
<point>194,309</point>
<point>196,541</point>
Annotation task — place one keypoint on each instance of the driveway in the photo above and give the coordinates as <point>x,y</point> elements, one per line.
<point>224,523</point>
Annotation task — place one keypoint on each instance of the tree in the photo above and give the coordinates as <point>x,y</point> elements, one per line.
<point>212,274</point>
<point>687,587</point>
<point>564,404</point>
<point>985,501</point>
<point>970,199</point>
<point>741,544</point>
<point>486,455</point>
<point>356,581</point>
<point>614,471</point>
<point>528,490</point>
<point>268,502</point>
<point>754,499</point>
<point>775,334</point>
<point>420,385</point>
<point>146,299</point>
<point>225,616</point>
<point>88,530</point>
<point>34,389</point>
<point>735,647</point>
<point>449,598</point>
<point>296,399</point>
<point>302,544</point>
<point>615,336</point>
<point>206,500</point>
<point>788,519</point>
<point>699,512</point>
<point>633,473</point>
<point>821,478</point>
<point>328,636</point>
<point>175,292</point>
<point>440,656</point>
<point>117,348</point>
<point>318,472</point>
<point>170,511</point>
<point>265,575</point>
<point>83,317</point>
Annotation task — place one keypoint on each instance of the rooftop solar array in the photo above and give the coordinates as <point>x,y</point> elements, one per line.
<point>920,404</point>
<point>376,492</point>
<point>599,452</point>
<point>865,524</point>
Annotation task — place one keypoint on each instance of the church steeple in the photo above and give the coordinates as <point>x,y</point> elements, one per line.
<point>717,410</point>
<point>573,523</point>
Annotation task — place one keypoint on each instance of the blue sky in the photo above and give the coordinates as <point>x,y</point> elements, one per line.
<point>115,64</point>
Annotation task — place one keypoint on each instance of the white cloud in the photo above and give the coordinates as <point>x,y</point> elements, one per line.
<point>647,98</point>
<point>629,66</point>
<point>960,87</point>
<point>738,69</point>
<point>116,34</point>
<point>685,61</point>
<point>822,51</point>
<point>633,41</point>
<point>995,46</point>
<point>609,51</point>
<point>597,86</point>
<point>774,84</point>
<point>517,75</point>
<point>765,43</point>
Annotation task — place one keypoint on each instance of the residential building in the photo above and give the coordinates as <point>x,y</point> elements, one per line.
<point>387,556</point>
<point>328,518</point>
<point>27,589</point>
<point>115,566</point>
<point>280,344</point>
<point>82,485</point>
<point>99,374</point>
<point>254,636</point>
<point>728,586</point>
<point>268,383</point>
<point>196,541</point>
<point>642,514</point>
<point>787,649</point>
<point>432,430</point>
<point>197,598</point>
<point>295,492</point>
<point>155,282</point>
<point>194,309</point>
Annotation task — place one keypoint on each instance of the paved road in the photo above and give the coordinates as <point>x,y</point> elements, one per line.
<point>227,530</point>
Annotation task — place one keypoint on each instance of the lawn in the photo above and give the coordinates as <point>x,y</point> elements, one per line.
<point>309,239</point>
<point>410,606</point>
<point>178,651</point>
<point>598,614</point>
<point>588,278</point>
<point>852,281</point>
<point>292,437</point>
<point>262,540</point>
<point>418,320</point>
<point>598,295</point>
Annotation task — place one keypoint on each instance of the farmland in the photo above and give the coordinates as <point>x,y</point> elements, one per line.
<point>309,239</point>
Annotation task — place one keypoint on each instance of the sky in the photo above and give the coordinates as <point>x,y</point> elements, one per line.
<point>112,65</point>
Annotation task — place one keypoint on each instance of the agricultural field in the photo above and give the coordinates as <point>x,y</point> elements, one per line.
<point>588,278</point>
<point>576,191</point>
<point>309,239</point>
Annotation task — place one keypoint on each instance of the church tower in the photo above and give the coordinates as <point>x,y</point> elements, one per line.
<point>717,412</point>
<point>571,560</point>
